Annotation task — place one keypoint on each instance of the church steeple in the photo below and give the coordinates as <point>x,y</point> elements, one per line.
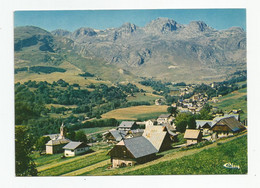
<point>62,131</point>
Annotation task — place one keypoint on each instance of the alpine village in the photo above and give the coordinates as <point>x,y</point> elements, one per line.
<point>166,98</point>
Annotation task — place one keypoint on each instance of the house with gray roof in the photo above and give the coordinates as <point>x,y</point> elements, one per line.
<point>75,148</point>
<point>127,125</point>
<point>130,151</point>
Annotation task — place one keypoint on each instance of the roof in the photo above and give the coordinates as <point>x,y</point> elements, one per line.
<point>191,134</point>
<point>168,128</point>
<point>201,123</point>
<point>126,124</point>
<point>157,139</point>
<point>117,135</point>
<point>139,146</point>
<point>231,122</point>
<point>164,116</point>
<point>216,119</point>
<point>74,145</point>
<point>52,136</point>
<point>58,142</point>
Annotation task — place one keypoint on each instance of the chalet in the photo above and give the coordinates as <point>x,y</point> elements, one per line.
<point>150,123</point>
<point>127,125</point>
<point>227,127</point>
<point>204,125</point>
<point>130,151</point>
<point>153,131</point>
<point>114,135</point>
<point>165,118</point>
<point>193,136</point>
<point>55,145</point>
<point>75,148</point>
<point>160,140</point>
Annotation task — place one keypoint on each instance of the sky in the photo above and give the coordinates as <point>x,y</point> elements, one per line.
<point>102,19</point>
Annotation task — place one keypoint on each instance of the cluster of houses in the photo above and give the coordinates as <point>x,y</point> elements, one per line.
<point>158,137</point>
<point>133,145</point>
<point>193,104</point>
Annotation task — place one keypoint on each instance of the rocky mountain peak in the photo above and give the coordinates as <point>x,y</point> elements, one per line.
<point>61,32</point>
<point>162,25</point>
<point>198,26</point>
<point>82,32</point>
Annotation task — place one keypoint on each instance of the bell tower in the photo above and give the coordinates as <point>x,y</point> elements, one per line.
<point>62,131</point>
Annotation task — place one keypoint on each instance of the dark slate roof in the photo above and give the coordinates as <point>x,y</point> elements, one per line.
<point>232,123</point>
<point>74,145</point>
<point>116,134</point>
<point>164,116</point>
<point>126,124</point>
<point>139,146</point>
<point>58,142</point>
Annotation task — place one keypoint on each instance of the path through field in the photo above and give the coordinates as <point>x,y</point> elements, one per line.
<point>88,168</point>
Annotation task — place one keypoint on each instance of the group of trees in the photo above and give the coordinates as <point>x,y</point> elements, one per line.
<point>24,165</point>
<point>156,85</point>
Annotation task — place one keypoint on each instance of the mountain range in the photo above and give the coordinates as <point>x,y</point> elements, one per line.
<point>163,49</point>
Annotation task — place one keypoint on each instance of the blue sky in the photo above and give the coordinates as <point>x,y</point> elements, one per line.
<point>102,19</point>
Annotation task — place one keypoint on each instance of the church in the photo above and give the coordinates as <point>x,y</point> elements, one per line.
<point>56,144</point>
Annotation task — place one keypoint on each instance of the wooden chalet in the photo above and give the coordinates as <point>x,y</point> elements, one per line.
<point>127,126</point>
<point>75,148</point>
<point>193,136</point>
<point>227,126</point>
<point>130,151</point>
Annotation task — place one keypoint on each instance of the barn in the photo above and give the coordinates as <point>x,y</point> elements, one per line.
<point>193,136</point>
<point>131,151</point>
<point>227,127</point>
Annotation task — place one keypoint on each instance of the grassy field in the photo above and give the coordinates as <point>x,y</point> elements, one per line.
<point>208,161</point>
<point>78,163</point>
<point>96,130</point>
<point>71,76</point>
<point>135,112</point>
<point>234,100</point>
<point>41,160</point>
<point>149,97</point>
